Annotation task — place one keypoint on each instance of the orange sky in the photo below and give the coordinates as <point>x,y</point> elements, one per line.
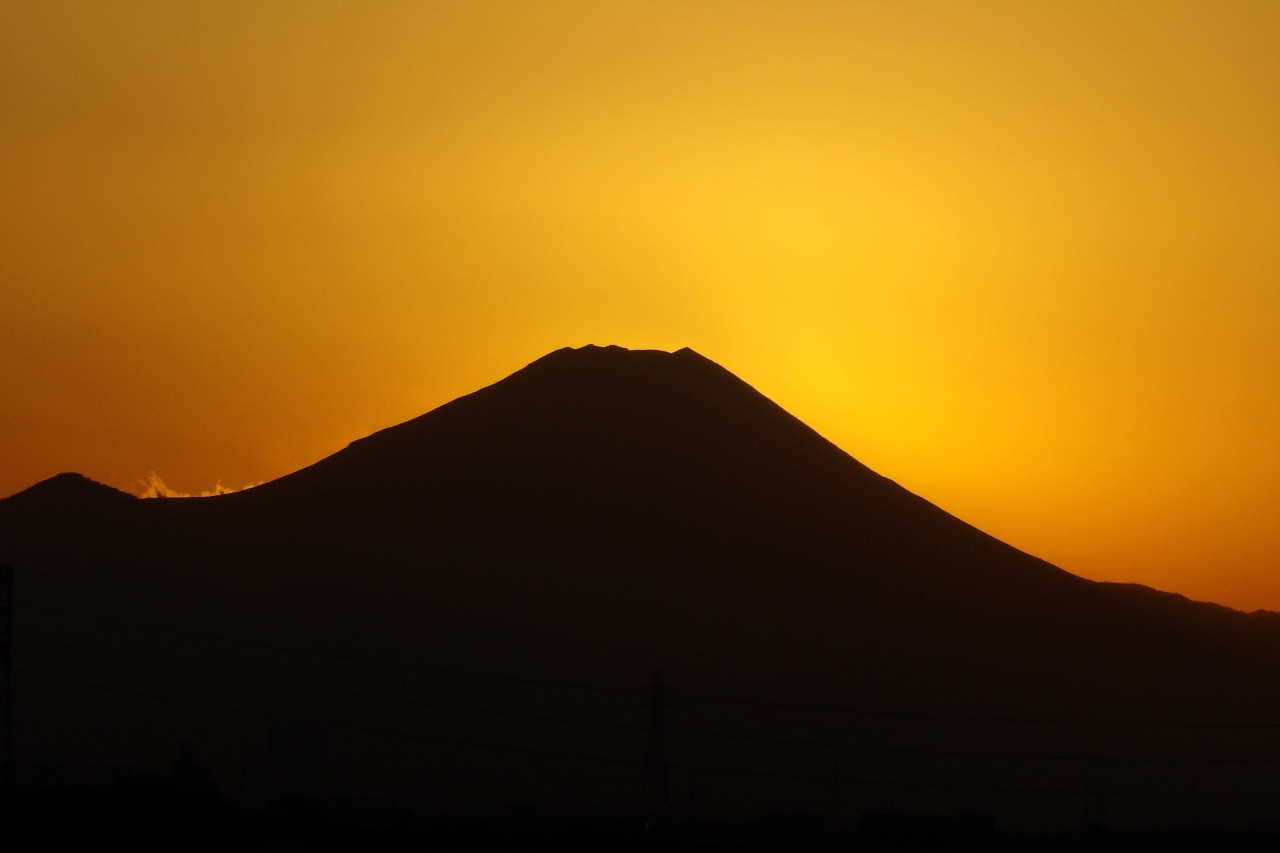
<point>1023,258</point>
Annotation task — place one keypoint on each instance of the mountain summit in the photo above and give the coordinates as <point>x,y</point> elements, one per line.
<point>519,562</point>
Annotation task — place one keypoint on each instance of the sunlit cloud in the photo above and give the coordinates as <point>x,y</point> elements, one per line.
<point>154,487</point>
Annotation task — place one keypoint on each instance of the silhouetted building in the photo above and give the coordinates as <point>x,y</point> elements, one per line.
<point>297,761</point>
<point>900,830</point>
<point>6,674</point>
<point>188,776</point>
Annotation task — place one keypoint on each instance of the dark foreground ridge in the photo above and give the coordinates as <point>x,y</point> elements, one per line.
<point>622,586</point>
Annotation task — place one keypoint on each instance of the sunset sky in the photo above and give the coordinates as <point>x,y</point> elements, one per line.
<point>1023,258</point>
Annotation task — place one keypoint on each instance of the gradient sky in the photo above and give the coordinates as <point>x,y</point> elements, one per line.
<point>1023,258</point>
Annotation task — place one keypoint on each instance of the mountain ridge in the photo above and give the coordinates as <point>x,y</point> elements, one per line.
<point>75,489</point>
<point>652,511</point>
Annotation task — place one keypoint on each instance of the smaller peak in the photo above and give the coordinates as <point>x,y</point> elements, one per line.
<point>70,486</point>
<point>611,357</point>
<point>608,349</point>
<point>688,353</point>
<point>71,479</point>
<point>68,482</point>
<point>616,351</point>
<point>596,352</point>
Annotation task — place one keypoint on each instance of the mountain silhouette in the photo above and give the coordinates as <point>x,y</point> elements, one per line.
<point>473,604</point>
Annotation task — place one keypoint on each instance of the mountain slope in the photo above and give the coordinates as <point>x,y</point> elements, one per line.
<point>603,513</point>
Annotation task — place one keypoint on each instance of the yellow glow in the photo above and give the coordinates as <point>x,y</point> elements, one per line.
<point>1020,257</point>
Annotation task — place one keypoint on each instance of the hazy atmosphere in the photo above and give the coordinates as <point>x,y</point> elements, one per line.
<point>1023,259</point>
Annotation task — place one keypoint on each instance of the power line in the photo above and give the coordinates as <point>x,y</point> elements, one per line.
<point>519,679</point>
<point>507,635</point>
<point>355,694</point>
<point>691,697</point>
<point>634,763</point>
<point>762,739</point>
<point>331,616</point>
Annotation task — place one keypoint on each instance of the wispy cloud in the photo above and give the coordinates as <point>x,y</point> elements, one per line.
<point>154,487</point>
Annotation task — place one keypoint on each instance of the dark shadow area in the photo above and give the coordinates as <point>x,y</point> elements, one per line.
<point>615,588</point>
<point>139,812</point>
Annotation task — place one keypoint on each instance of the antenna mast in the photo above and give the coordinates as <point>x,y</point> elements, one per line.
<point>656,800</point>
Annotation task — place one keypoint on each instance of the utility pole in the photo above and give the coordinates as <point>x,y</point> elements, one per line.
<point>6,673</point>
<point>836,816</point>
<point>656,800</point>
